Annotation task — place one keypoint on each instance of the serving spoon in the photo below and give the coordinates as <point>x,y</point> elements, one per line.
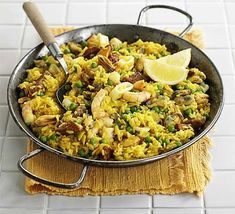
<point>48,38</point>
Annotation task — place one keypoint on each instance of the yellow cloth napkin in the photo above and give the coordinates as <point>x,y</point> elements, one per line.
<point>186,171</point>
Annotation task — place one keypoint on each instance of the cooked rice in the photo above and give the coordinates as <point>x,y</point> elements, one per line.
<point>121,130</point>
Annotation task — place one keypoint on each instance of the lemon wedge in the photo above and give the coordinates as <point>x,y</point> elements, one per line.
<point>170,69</point>
<point>164,73</point>
<point>119,89</point>
<point>181,58</point>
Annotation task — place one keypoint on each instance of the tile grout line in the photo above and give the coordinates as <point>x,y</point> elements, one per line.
<point>228,32</point>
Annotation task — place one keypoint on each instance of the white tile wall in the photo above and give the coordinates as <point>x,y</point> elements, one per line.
<point>3,119</point>
<point>215,35</point>
<point>220,191</point>
<point>215,17</point>
<point>13,149</point>
<point>178,211</point>
<point>222,59</point>
<point>219,211</point>
<point>78,13</point>
<point>11,36</point>
<point>136,201</point>
<point>200,12</point>
<point>223,126</point>
<point>12,192</point>
<point>223,145</point>
<point>53,13</point>
<point>232,34</point>
<point>128,9</point>
<point>121,211</point>
<point>3,86</point>
<point>19,211</point>
<point>61,202</point>
<point>230,7</point>
<point>181,200</point>
<point>13,129</point>
<point>31,38</point>
<point>9,59</point>
<point>72,212</point>
<point>11,13</point>
<point>164,16</point>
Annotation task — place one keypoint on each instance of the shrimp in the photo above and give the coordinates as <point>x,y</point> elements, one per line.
<point>136,96</point>
<point>46,119</point>
<point>139,85</point>
<point>27,113</point>
<point>96,110</point>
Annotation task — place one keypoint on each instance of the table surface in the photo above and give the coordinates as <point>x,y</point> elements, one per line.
<point>215,17</point>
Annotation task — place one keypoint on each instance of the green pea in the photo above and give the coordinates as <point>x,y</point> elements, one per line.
<point>133,109</point>
<point>178,144</point>
<point>43,138</point>
<point>94,65</point>
<point>93,141</point>
<point>81,153</point>
<point>110,82</point>
<point>171,128</point>
<point>165,141</point>
<point>21,94</point>
<point>130,129</point>
<point>148,140</point>
<point>79,84</point>
<point>67,87</point>
<point>73,106</point>
<point>66,50</point>
<point>40,93</point>
<point>83,44</point>
<point>156,109</point>
<point>53,137</point>
<point>103,141</point>
<point>188,111</point>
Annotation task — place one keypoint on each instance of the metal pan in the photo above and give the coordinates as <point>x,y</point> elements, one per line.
<point>126,33</point>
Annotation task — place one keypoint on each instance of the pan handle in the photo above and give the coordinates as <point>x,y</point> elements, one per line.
<point>190,19</point>
<point>45,181</point>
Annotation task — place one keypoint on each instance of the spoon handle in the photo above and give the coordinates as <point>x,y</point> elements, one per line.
<point>38,22</point>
